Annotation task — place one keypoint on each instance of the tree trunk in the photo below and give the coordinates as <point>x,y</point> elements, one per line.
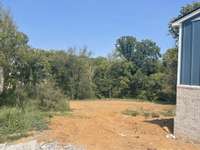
<point>1,80</point>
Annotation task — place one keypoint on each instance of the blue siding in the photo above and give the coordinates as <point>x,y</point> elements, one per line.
<point>195,66</point>
<point>186,54</point>
<point>190,58</point>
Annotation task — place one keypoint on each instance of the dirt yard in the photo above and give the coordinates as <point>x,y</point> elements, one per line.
<point>100,125</point>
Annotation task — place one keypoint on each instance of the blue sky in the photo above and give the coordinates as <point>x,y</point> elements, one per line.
<point>60,24</point>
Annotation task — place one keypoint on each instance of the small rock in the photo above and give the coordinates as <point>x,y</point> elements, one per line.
<point>32,145</point>
<point>166,129</point>
<point>170,136</point>
<point>2,146</point>
<point>71,147</point>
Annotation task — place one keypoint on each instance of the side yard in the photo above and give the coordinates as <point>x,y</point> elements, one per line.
<point>115,125</point>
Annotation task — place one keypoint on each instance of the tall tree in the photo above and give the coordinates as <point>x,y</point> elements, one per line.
<point>144,54</point>
<point>101,78</point>
<point>12,44</point>
<point>170,59</point>
<point>183,11</point>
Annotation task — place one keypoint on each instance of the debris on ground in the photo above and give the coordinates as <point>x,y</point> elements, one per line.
<point>166,129</point>
<point>101,125</point>
<point>34,145</point>
<point>170,136</point>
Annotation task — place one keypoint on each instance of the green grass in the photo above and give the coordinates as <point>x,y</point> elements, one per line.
<point>15,123</point>
<point>148,114</point>
<point>155,114</point>
<point>129,112</point>
<point>169,113</point>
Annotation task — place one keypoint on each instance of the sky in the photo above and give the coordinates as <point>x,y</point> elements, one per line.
<point>95,24</point>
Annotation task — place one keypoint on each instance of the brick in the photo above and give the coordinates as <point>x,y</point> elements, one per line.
<point>187,120</point>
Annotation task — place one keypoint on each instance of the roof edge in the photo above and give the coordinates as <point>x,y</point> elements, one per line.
<point>178,22</point>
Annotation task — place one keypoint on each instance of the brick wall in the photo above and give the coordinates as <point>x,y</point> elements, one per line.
<point>187,121</point>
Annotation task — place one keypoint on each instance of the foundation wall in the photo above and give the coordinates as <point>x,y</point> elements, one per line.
<point>187,120</point>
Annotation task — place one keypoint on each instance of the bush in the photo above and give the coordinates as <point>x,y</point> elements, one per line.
<point>169,113</point>
<point>146,113</point>
<point>155,115</point>
<point>51,98</point>
<point>131,112</point>
<point>17,96</point>
<point>15,122</point>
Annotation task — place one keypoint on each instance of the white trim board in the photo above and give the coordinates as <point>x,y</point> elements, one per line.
<point>188,86</point>
<point>179,55</point>
<point>181,20</point>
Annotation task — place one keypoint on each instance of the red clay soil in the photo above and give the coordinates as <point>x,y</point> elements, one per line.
<point>100,125</point>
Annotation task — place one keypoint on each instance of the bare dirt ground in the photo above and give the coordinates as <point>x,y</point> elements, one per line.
<point>100,125</point>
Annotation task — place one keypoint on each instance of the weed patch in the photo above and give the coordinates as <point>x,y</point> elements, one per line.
<point>169,113</point>
<point>15,122</point>
<point>133,113</point>
<point>148,114</point>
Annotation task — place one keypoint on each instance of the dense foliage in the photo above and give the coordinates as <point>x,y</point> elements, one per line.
<point>27,90</point>
<point>48,78</point>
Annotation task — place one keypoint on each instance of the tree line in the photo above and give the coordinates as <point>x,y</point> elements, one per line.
<point>136,69</point>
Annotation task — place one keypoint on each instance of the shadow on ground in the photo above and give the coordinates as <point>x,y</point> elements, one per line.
<point>169,123</point>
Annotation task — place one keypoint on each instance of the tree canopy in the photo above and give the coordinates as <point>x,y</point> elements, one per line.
<point>137,71</point>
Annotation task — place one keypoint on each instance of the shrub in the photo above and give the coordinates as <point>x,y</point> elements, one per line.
<point>147,114</point>
<point>17,96</point>
<point>169,113</point>
<point>15,122</point>
<point>155,115</point>
<point>51,98</point>
<point>142,112</point>
<point>131,112</point>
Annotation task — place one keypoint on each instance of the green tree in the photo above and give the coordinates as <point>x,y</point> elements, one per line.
<point>12,45</point>
<point>101,78</point>
<point>170,59</point>
<point>73,73</point>
<point>144,54</point>
<point>183,11</point>
<point>126,46</point>
<point>120,75</point>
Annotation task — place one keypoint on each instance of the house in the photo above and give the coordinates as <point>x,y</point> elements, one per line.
<point>187,120</point>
